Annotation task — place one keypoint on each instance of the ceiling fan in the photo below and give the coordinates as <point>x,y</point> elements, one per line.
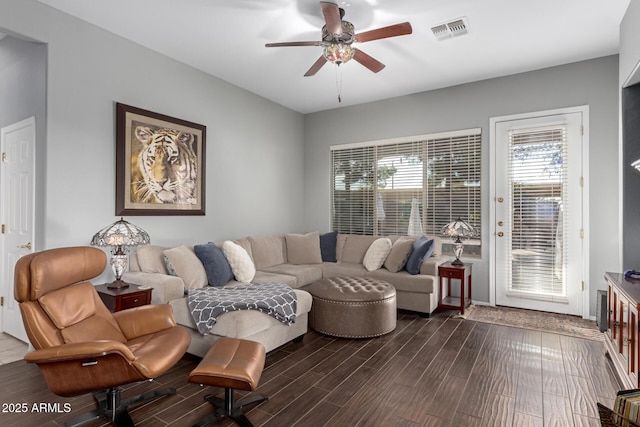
<point>339,35</point>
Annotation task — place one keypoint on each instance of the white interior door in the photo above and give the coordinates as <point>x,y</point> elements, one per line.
<point>538,215</point>
<point>17,216</point>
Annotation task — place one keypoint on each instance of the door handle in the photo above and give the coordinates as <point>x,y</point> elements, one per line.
<point>500,234</point>
<point>27,246</point>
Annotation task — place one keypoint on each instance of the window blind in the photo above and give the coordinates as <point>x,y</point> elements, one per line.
<point>539,203</point>
<point>379,188</point>
<point>453,189</point>
<point>353,190</point>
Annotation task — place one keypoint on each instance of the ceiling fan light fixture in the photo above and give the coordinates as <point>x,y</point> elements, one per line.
<point>338,35</point>
<point>338,53</point>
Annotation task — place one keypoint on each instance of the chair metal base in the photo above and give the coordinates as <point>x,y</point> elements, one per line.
<point>115,409</point>
<point>230,409</point>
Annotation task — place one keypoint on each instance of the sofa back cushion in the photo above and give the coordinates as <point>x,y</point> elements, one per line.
<point>268,251</point>
<point>151,259</point>
<point>354,248</point>
<point>303,248</point>
<point>437,245</point>
<point>245,244</point>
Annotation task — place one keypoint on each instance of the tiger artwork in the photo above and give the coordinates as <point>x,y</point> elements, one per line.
<point>165,169</point>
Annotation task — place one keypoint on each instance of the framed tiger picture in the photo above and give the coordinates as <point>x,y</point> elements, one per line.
<point>160,164</point>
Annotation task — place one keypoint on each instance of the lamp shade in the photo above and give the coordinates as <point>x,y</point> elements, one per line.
<point>458,229</point>
<point>121,233</point>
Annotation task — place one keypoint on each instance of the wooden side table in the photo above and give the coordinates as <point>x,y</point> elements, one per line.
<point>462,273</point>
<point>123,298</point>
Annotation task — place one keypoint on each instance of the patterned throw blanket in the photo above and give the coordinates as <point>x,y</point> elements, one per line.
<point>275,299</point>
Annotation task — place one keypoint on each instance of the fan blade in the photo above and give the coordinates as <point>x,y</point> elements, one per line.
<point>368,61</point>
<point>295,44</point>
<point>316,67</point>
<point>332,18</point>
<point>385,32</point>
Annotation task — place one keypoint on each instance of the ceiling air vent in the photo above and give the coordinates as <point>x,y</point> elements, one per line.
<point>447,30</point>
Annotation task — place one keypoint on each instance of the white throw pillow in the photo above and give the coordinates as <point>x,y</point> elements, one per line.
<point>241,264</point>
<point>377,253</point>
<point>187,266</point>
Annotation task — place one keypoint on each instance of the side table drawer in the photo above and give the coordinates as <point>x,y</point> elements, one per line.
<point>445,272</point>
<point>134,300</point>
<point>116,299</point>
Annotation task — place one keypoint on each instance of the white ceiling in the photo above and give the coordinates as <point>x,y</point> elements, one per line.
<point>227,38</point>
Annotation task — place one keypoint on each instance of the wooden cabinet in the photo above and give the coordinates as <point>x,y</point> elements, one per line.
<point>622,339</point>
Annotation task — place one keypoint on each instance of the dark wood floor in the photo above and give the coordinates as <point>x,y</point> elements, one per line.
<point>429,372</point>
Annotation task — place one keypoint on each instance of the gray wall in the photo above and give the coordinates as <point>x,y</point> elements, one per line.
<point>593,83</point>
<point>254,165</point>
<point>23,77</point>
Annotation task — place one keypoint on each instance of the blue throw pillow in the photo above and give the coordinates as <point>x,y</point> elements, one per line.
<point>422,249</point>
<point>328,242</point>
<point>215,264</point>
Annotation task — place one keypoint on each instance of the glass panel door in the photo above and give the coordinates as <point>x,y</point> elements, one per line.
<point>538,245</point>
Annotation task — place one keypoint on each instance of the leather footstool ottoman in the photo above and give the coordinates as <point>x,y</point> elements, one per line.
<point>352,307</point>
<point>230,363</point>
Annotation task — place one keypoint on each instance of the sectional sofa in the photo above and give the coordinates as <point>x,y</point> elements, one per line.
<point>296,260</point>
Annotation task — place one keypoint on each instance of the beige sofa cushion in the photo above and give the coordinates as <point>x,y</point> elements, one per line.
<point>187,266</point>
<point>266,277</point>
<point>304,274</point>
<point>405,282</point>
<point>430,266</point>
<point>355,247</point>
<point>267,251</point>
<point>246,245</point>
<point>437,245</point>
<point>399,254</point>
<point>165,287</point>
<point>303,248</point>
<point>330,269</point>
<point>151,259</point>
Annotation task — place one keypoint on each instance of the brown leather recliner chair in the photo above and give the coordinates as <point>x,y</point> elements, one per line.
<point>80,347</point>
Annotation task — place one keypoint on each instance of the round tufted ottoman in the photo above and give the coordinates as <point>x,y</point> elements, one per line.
<point>352,307</point>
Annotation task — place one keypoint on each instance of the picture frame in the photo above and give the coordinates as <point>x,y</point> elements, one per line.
<point>160,164</point>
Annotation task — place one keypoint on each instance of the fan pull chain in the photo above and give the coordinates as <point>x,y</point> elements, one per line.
<point>339,82</point>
